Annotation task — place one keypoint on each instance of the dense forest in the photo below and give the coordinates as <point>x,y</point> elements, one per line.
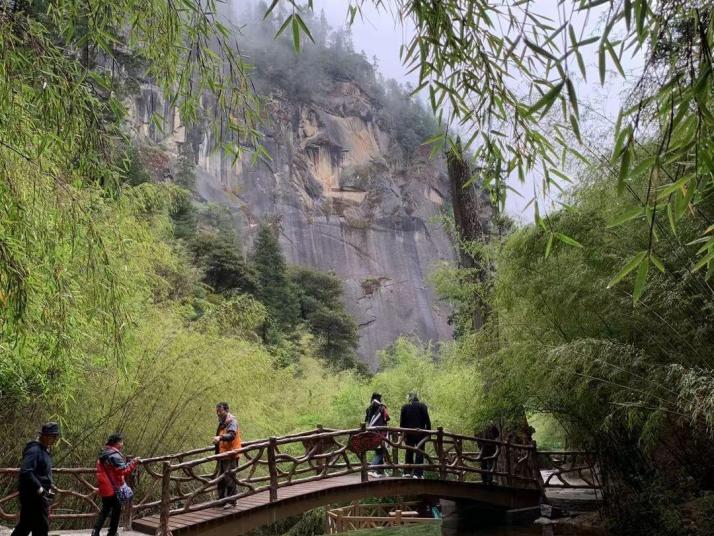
<point>129,304</point>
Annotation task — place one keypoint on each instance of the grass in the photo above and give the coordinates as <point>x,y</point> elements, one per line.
<point>411,530</point>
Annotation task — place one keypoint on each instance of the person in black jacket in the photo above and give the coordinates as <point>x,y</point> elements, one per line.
<point>415,414</point>
<point>488,451</point>
<point>377,415</point>
<point>35,483</point>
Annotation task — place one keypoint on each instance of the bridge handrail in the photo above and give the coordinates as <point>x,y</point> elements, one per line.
<point>277,462</point>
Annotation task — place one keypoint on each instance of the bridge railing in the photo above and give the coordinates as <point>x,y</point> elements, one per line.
<point>77,503</point>
<point>187,481</point>
<point>76,497</point>
<point>275,463</point>
<point>569,469</point>
<point>377,515</point>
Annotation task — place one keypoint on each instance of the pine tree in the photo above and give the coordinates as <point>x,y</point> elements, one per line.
<point>275,290</point>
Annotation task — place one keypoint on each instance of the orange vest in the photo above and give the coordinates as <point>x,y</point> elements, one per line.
<point>227,446</point>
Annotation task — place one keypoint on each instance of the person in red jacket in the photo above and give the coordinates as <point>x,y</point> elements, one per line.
<point>112,467</point>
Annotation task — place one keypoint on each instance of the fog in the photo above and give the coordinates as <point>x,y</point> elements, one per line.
<point>380,36</point>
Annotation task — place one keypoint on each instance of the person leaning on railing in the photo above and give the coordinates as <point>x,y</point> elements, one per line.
<point>111,468</point>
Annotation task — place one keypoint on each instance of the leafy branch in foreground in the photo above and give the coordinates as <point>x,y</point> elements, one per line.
<point>500,69</point>
<point>60,114</point>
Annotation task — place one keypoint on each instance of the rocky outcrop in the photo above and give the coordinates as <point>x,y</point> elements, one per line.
<point>343,204</point>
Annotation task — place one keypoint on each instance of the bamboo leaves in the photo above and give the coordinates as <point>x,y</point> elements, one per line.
<point>631,265</point>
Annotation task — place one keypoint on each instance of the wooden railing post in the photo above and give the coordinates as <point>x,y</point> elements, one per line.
<point>165,500</point>
<point>395,453</point>
<point>364,477</point>
<point>535,466</point>
<point>507,452</point>
<point>132,480</point>
<point>398,517</point>
<point>440,452</point>
<point>273,468</point>
<point>459,447</point>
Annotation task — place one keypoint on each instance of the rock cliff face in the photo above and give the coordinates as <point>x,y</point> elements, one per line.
<point>342,204</point>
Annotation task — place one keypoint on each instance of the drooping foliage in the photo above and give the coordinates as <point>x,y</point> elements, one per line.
<point>630,382</point>
<point>468,53</point>
<point>59,130</point>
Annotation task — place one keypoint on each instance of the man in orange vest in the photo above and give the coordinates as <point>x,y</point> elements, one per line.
<point>227,439</point>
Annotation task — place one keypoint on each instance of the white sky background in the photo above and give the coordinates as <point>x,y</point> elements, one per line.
<point>379,35</point>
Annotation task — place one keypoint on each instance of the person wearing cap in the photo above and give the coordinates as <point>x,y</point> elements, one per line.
<point>35,483</point>
<point>415,415</point>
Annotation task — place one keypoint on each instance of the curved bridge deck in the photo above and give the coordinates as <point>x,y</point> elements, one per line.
<point>257,510</point>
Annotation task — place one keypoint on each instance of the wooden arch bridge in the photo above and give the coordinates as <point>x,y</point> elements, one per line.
<point>284,476</point>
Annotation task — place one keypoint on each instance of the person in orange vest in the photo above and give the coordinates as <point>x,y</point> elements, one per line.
<point>227,438</point>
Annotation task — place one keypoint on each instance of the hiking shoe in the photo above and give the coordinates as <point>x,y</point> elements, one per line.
<point>375,474</point>
<point>228,506</point>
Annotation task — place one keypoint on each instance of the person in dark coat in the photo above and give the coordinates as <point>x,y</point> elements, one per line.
<point>414,414</point>
<point>377,415</point>
<point>35,483</point>
<point>488,451</point>
<point>111,468</point>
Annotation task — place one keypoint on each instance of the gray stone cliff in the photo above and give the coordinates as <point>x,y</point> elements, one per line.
<point>343,205</point>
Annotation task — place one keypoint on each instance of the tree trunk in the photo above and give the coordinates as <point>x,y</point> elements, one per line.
<point>472,215</point>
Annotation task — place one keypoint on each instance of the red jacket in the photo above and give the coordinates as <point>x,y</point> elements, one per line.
<point>111,470</point>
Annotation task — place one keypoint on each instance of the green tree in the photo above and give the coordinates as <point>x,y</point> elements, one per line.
<point>274,288</point>
<point>321,307</point>
<point>224,269</point>
<point>183,215</point>
<point>135,172</point>
<point>629,382</point>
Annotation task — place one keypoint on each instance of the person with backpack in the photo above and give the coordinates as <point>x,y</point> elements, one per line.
<point>35,484</point>
<point>415,414</point>
<point>112,467</point>
<point>377,415</point>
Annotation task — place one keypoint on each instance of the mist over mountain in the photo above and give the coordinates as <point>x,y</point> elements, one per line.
<point>349,183</point>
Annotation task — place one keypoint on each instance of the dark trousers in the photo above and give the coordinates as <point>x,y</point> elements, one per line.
<point>487,465</point>
<point>378,459</point>
<point>34,516</point>
<point>110,505</point>
<point>227,484</point>
<point>413,441</point>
